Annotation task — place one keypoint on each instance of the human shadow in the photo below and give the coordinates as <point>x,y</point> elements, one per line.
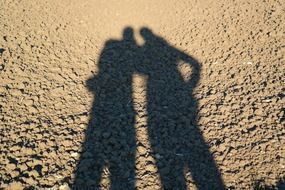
<point>175,138</point>
<point>110,135</point>
<point>172,117</point>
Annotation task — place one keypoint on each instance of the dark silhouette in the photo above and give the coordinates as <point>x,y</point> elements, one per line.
<point>172,111</point>
<point>110,136</point>
<point>175,138</point>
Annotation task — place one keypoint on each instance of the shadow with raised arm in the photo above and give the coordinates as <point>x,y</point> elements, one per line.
<point>174,134</point>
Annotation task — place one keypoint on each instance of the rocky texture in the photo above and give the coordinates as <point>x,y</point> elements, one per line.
<point>48,49</point>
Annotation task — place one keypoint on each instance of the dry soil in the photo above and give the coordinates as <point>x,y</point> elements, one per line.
<point>49,49</point>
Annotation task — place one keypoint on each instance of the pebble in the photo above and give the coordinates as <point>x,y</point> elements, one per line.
<point>15,186</point>
<point>64,187</point>
<point>10,167</point>
<point>151,168</point>
<point>141,150</point>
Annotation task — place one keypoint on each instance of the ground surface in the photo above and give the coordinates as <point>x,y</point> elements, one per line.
<point>49,50</point>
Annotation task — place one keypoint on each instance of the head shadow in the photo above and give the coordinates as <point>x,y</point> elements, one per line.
<point>110,139</point>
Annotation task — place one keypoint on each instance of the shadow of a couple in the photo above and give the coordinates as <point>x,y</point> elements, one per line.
<point>110,139</point>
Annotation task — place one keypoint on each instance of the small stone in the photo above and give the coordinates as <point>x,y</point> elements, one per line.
<point>37,162</point>
<point>82,126</point>
<point>30,163</point>
<point>30,181</point>
<point>29,102</point>
<point>10,167</point>
<point>67,143</point>
<point>150,168</point>
<point>15,186</point>
<point>75,155</point>
<point>14,173</point>
<point>34,173</point>
<point>32,109</point>
<point>55,187</point>
<point>222,147</point>
<point>142,150</point>
<point>259,112</point>
<point>64,187</point>
<point>21,86</point>
<point>83,119</point>
<point>15,92</point>
<point>14,148</point>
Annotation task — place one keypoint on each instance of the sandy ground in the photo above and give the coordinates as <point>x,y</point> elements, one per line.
<point>49,50</point>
